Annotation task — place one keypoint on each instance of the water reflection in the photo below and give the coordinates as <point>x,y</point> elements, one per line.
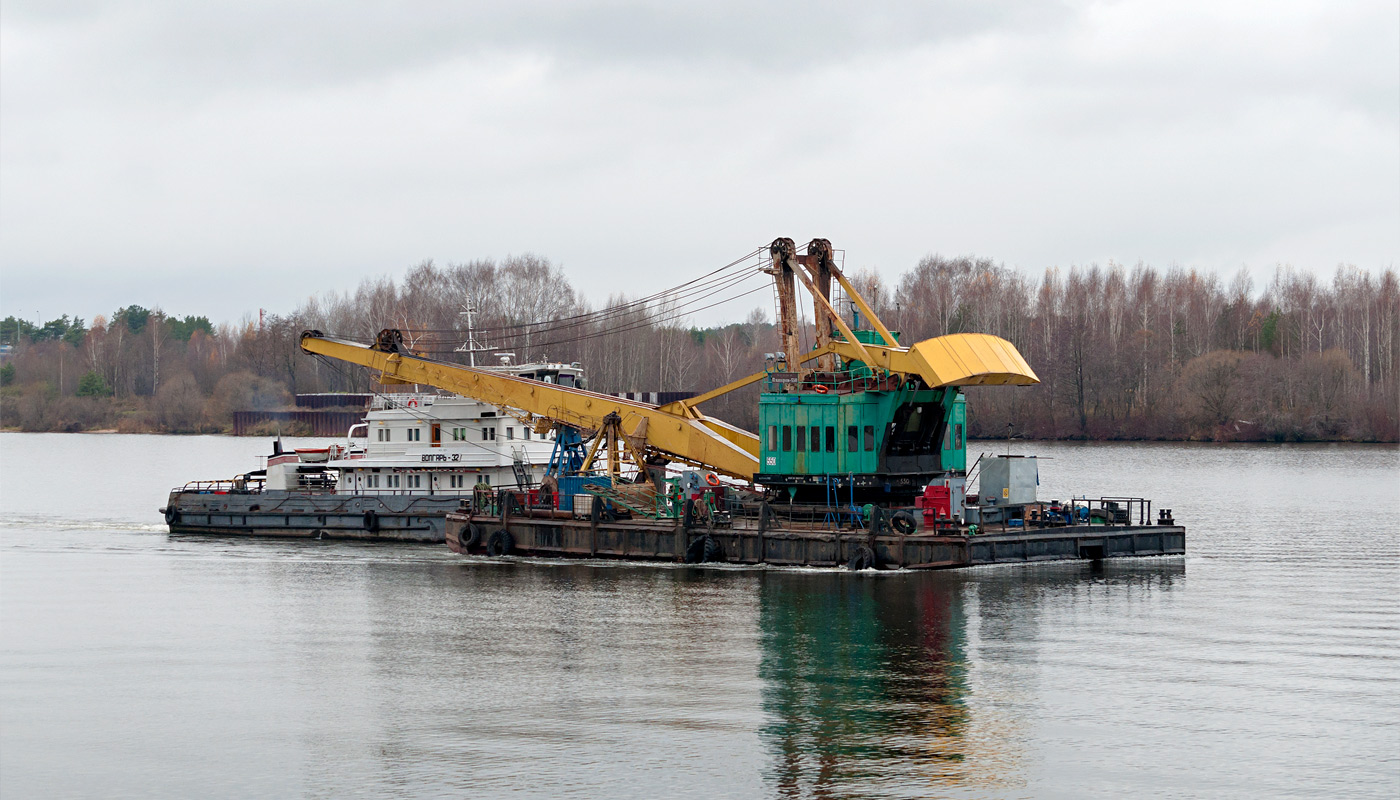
<point>867,684</point>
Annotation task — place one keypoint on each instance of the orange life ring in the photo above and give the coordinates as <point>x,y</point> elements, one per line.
<point>820,389</point>
<point>413,403</point>
<point>711,479</point>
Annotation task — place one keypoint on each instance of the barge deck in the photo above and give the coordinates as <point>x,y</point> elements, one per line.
<point>558,535</point>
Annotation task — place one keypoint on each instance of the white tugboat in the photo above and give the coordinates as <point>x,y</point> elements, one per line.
<point>415,457</point>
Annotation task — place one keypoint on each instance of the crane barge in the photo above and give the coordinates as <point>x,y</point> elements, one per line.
<point>860,459</point>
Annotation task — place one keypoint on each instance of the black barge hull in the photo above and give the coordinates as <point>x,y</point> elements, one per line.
<point>396,518</point>
<point>557,536</point>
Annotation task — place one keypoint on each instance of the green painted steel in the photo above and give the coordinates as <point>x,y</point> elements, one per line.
<point>857,368</point>
<point>882,437</point>
<point>900,431</point>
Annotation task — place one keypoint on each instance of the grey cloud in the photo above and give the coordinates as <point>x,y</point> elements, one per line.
<point>301,146</point>
<point>232,44</point>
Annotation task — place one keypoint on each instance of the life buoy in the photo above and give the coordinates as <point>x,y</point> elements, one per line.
<point>820,389</point>
<point>711,479</point>
<point>413,402</point>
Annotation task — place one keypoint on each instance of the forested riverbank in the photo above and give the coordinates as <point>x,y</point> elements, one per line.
<point>1122,352</point>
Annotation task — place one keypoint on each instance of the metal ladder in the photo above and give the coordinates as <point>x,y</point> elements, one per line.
<point>521,466</point>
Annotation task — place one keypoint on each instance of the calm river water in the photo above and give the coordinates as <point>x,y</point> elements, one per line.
<point>1265,663</point>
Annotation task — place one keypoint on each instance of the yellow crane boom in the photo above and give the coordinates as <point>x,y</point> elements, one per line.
<point>679,431</point>
<point>688,436</point>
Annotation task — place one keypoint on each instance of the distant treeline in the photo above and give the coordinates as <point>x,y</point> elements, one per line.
<point>1122,353</point>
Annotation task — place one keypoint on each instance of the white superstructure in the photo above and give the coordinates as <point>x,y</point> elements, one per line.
<point>428,443</point>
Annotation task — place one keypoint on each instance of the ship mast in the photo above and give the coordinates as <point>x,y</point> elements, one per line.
<point>471,345</point>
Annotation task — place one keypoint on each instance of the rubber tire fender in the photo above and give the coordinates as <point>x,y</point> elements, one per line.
<point>473,535</point>
<point>371,521</point>
<point>171,515</point>
<point>500,543</point>
<point>703,550</point>
<point>904,522</point>
<point>713,552</point>
<point>862,558</point>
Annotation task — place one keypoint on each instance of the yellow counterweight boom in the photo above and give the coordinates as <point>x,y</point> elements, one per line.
<point>958,359</point>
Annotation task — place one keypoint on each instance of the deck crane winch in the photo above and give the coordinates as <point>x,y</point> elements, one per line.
<point>873,417</point>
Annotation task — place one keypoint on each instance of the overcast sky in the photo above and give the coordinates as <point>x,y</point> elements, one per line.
<point>213,157</point>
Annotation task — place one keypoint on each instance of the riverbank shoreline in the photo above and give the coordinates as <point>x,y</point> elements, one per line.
<point>1061,440</point>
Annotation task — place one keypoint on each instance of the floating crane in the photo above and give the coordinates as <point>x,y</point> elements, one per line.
<point>880,418</point>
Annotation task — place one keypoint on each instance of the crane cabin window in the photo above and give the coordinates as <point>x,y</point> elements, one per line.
<point>852,439</point>
<point>869,438</point>
<point>816,439</point>
<point>787,438</point>
<point>831,438</point>
<point>772,438</point>
<point>801,438</point>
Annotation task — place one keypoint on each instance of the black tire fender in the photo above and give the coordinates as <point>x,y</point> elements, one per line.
<point>904,522</point>
<point>371,521</point>
<point>713,552</point>
<point>171,515</point>
<point>703,550</point>
<point>862,558</point>
<point>473,535</point>
<point>695,551</point>
<point>500,543</point>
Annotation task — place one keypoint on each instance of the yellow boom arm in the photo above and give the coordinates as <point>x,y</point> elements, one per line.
<point>689,436</point>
